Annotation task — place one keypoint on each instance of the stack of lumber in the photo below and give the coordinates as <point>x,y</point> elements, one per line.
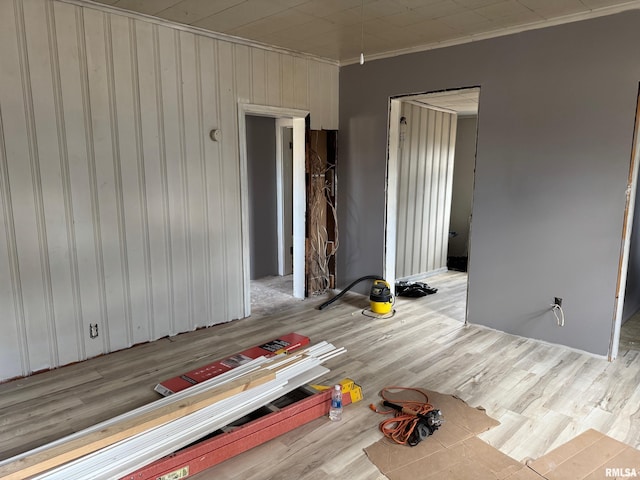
<point>130,441</point>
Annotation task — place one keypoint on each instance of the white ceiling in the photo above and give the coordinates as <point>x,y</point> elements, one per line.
<point>333,28</point>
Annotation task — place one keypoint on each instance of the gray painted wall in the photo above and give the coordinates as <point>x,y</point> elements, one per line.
<point>557,109</point>
<point>462,200</point>
<point>261,167</point>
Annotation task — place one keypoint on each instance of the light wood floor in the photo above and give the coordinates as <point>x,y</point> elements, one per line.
<point>542,394</point>
<point>630,334</point>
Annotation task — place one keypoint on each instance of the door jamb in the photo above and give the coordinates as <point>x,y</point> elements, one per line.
<point>299,202</point>
<point>281,125</point>
<point>391,223</point>
<point>627,225</point>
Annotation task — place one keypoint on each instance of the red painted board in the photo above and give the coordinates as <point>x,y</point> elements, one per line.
<point>285,343</point>
<point>215,450</point>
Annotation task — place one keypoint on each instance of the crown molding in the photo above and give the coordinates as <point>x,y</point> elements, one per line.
<point>575,17</point>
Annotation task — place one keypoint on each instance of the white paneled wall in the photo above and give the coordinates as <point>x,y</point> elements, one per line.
<point>117,209</point>
<point>425,178</point>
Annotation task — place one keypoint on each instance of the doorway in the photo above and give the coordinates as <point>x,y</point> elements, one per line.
<point>421,207</point>
<point>261,171</point>
<point>284,194</point>
<point>627,337</point>
<point>296,120</point>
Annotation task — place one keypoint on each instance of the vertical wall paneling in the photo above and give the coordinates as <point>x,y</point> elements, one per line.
<point>433,184</point>
<point>332,91</point>
<point>162,252</point>
<point>185,79</point>
<point>13,346</point>
<point>64,272</point>
<point>425,263</point>
<point>149,167</point>
<point>286,74</point>
<point>216,181</point>
<point>69,117</point>
<point>194,187</point>
<point>23,172</point>
<point>449,145</point>
<point>421,227</point>
<point>258,77</point>
<point>301,83</point>
<point>140,284</point>
<point>12,355</point>
<point>137,277</point>
<point>324,73</point>
<point>274,82</point>
<point>84,185</point>
<point>315,103</point>
<point>242,63</point>
<point>46,176</point>
<point>414,188</point>
<point>174,147</point>
<point>212,225</point>
<point>118,210</point>
<point>126,180</point>
<point>425,173</point>
<point>230,172</point>
<point>100,78</point>
<point>165,63</point>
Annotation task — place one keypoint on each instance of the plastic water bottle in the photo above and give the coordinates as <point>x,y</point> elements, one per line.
<point>335,411</point>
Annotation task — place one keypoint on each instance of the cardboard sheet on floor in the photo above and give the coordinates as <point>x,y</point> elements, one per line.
<point>455,453</point>
<point>451,453</point>
<point>589,456</point>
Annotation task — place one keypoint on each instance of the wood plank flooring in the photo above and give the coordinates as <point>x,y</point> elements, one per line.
<point>630,334</point>
<point>542,394</point>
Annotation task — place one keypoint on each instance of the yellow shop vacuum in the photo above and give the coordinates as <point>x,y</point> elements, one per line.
<point>380,298</point>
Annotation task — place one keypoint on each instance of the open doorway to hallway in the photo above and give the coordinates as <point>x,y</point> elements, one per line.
<point>269,169</point>
<point>431,166</point>
<point>263,200</point>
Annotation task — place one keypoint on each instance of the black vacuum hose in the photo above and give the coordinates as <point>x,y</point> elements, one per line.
<point>361,279</point>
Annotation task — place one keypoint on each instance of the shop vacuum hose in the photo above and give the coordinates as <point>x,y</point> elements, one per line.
<point>355,282</point>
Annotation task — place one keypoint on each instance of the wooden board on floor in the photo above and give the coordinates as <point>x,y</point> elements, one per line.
<point>95,440</point>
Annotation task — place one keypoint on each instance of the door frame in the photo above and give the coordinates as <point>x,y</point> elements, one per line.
<point>627,226</point>
<point>281,125</point>
<point>299,196</point>
<point>391,221</point>
<point>391,203</point>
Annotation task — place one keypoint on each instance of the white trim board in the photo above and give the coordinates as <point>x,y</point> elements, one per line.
<point>285,367</point>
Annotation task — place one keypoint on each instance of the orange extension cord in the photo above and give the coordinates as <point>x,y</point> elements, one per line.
<point>400,428</point>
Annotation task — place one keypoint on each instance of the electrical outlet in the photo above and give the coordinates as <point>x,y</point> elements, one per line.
<point>93,330</point>
<point>557,301</point>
